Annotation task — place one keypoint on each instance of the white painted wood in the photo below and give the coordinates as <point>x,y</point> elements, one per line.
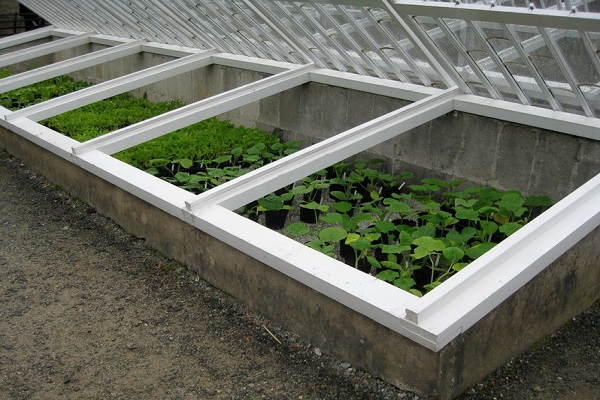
<point>151,189</point>
<point>486,282</point>
<point>196,112</point>
<point>170,49</point>
<point>561,19</point>
<point>44,49</point>
<point>368,84</point>
<point>25,37</point>
<point>433,320</point>
<point>42,136</point>
<point>68,66</point>
<point>358,291</point>
<point>252,63</point>
<point>275,175</point>
<point>576,125</point>
<point>113,87</point>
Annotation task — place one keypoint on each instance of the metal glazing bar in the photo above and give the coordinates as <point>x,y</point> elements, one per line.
<point>340,51</point>
<point>419,38</point>
<point>472,64</point>
<point>226,43</point>
<point>280,52</point>
<point>531,67</point>
<point>220,23</point>
<point>70,65</point>
<point>498,62</point>
<point>158,24</point>
<point>181,14</point>
<point>119,18</point>
<point>71,101</point>
<point>228,29</point>
<point>566,70</point>
<point>254,41</point>
<point>44,49</point>
<point>331,59</point>
<point>201,32</point>
<point>377,24</point>
<point>182,33</point>
<point>399,47</point>
<point>499,14</point>
<point>168,122</point>
<point>106,20</point>
<point>369,39</point>
<point>348,38</point>
<point>59,16</point>
<point>273,22</point>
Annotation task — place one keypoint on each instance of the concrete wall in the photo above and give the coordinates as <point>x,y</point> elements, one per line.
<point>9,6</point>
<point>6,23</point>
<point>567,287</point>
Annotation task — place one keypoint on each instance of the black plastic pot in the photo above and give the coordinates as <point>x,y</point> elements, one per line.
<point>309,216</point>
<point>275,219</point>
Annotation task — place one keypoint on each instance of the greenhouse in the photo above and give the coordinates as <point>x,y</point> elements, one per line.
<point>501,94</point>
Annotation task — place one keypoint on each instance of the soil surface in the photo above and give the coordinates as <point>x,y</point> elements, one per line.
<point>90,312</point>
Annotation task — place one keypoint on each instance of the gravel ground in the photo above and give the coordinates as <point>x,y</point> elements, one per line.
<point>90,312</point>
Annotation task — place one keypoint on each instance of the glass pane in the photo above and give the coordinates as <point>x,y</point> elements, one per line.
<point>550,69</point>
<point>582,66</point>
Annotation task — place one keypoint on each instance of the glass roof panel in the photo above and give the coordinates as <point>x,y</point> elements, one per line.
<point>442,34</point>
<point>543,53</point>
<point>579,5</point>
<point>550,62</point>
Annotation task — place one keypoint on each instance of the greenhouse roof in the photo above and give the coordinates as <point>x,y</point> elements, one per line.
<point>544,54</point>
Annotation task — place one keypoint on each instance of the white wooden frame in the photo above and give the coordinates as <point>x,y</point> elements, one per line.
<point>433,320</point>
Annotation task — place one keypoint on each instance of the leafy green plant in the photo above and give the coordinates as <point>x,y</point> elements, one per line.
<point>38,92</point>
<point>418,238</point>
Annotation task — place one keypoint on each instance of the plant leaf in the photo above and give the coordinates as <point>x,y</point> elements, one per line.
<point>297,229</point>
<point>394,248</point>
<point>453,254</point>
<point>478,250</point>
<point>332,234</point>
<point>388,275</point>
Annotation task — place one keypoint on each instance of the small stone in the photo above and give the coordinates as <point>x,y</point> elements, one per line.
<point>345,365</point>
<point>318,352</point>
